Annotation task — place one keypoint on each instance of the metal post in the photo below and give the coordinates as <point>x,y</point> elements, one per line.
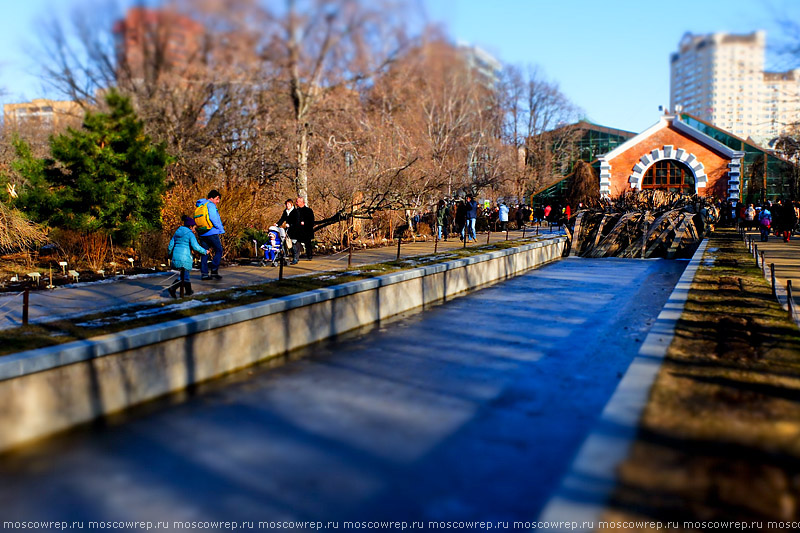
<point>25,300</point>
<point>523,230</point>
<point>755,253</point>
<point>436,239</point>
<point>506,230</point>
<point>772,271</point>
<point>399,241</point>
<point>350,253</point>
<point>281,262</point>
<point>789,298</point>
<point>350,236</point>
<point>180,287</point>
<point>488,234</point>
<point>763,265</point>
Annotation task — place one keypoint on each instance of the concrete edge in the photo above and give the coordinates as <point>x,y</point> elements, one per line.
<point>27,362</point>
<point>585,490</point>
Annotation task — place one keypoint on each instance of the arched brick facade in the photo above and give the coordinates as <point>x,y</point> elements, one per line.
<point>714,165</point>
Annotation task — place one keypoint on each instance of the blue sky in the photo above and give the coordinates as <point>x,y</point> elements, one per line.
<point>610,57</point>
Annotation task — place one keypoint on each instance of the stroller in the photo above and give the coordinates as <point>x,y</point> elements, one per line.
<point>275,247</point>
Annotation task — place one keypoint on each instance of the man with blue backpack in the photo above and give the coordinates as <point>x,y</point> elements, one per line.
<point>209,228</point>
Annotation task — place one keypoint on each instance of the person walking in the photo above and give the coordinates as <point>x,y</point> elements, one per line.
<point>472,215</point>
<point>289,218</point>
<point>502,213</point>
<point>461,217</point>
<point>749,216</point>
<point>765,222</point>
<point>788,220</point>
<point>180,252</point>
<point>305,229</point>
<point>442,218</point>
<point>209,227</point>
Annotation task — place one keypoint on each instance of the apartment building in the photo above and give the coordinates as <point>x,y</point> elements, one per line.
<point>720,78</point>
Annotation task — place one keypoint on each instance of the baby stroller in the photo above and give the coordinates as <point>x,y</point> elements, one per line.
<point>274,248</point>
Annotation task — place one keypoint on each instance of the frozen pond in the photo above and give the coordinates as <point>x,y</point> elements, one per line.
<point>471,410</point>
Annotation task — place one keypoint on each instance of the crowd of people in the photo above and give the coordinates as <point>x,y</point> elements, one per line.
<point>779,218</point>
<point>462,216</point>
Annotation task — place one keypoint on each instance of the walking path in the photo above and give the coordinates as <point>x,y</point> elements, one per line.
<point>785,256</point>
<point>85,298</point>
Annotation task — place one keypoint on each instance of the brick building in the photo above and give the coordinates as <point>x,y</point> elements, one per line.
<point>678,153</point>
<point>152,41</point>
<point>672,155</point>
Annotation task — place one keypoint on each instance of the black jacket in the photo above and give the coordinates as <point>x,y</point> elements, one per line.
<point>305,223</point>
<point>294,223</point>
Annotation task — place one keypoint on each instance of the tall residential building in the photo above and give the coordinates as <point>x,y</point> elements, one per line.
<point>781,100</point>
<point>481,62</point>
<point>720,78</point>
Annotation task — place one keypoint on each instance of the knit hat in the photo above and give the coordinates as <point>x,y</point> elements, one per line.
<point>188,221</point>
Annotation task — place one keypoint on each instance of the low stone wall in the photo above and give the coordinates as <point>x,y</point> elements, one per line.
<point>51,389</point>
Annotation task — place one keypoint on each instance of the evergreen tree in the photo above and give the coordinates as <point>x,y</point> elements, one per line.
<point>107,176</point>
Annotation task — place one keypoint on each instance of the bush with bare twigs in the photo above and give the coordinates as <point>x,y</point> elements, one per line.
<point>243,207</point>
<point>17,232</point>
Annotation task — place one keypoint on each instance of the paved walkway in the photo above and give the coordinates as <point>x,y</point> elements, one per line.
<point>786,258</point>
<point>471,410</point>
<point>85,298</point>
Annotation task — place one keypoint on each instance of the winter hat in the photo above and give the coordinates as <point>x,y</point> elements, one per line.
<point>188,221</point>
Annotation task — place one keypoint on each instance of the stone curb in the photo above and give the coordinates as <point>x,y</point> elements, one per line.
<point>23,363</point>
<point>585,490</point>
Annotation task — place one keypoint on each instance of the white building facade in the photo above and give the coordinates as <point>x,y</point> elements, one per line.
<point>720,78</point>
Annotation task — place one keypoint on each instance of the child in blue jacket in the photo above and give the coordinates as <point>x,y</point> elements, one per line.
<point>180,250</point>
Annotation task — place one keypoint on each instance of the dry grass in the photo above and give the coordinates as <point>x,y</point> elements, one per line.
<point>17,232</point>
<point>720,437</point>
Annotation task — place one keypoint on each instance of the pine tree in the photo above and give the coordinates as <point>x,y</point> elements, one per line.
<point>107,176</point>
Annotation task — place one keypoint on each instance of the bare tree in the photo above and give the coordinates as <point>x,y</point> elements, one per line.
<point>321,46</point>
<point>539,123</point>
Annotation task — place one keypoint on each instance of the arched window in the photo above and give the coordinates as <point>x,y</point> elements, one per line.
<point>669,175</point>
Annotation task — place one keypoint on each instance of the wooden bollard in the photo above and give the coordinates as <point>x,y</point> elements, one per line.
<point>772,272</point>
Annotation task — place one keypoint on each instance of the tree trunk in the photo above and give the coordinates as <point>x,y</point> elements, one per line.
<point>301,153</point>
